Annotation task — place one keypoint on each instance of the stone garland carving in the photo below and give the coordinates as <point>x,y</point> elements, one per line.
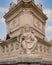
<point>14,46</point>
<point>5,48</point>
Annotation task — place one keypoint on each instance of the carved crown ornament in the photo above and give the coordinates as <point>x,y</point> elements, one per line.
<point>25,0</point>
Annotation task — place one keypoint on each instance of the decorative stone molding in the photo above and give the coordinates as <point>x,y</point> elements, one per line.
<point>25,0</point>
<point>26,42</point>
<point>39,6</point>
<point>12,5</point>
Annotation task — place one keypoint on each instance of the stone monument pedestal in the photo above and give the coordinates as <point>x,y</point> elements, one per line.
<point>27,60</point>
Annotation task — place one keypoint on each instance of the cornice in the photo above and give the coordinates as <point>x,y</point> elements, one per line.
<point>8,41</point>
<point>38,10</point>
<point>25,5</point>
<point>35,29</point>
<point>43,41</point>
<point>13,10</point>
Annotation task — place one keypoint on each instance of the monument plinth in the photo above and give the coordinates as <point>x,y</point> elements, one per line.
<point>25,43</point>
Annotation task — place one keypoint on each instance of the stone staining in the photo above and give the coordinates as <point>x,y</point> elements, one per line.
<point>44,49</point>
<point>12,47</point>
<point>48,50</point>
<point>36,48</point>
<point>40,48</point>
<point>7,49</point>
<point>16,46</point>
<point>3,49</point>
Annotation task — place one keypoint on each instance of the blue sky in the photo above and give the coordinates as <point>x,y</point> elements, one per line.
<point>47,8</point>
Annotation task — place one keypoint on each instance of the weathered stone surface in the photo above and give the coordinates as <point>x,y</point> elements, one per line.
<point>27,44</point>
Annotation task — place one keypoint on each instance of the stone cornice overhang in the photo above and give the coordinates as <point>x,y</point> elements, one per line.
<point>38,11</point>
<point>13,10</point>
<point>43,41</point>
<point>25,5</point>
<point>8,41</point>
